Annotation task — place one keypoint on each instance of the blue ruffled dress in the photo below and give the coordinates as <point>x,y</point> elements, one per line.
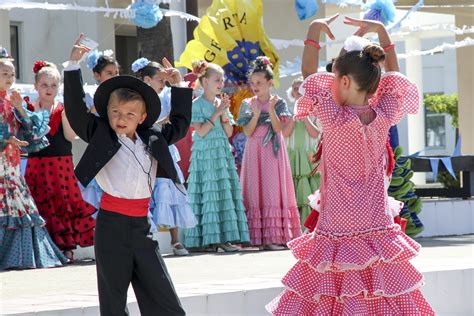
<point>24,241</point>
<point>169,206</point>
<point>213,185</point>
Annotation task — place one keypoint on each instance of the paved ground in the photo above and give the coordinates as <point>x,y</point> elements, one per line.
<point>217,271</point>
<point>80,277</point>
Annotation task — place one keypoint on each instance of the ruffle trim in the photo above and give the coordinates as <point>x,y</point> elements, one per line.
<point>354,251</point>
<point>369,283</point>
<point>273,225</point>
<point>290,303</point>
<point>28,220</point>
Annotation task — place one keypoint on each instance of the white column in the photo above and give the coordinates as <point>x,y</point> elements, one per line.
<point>178,28</point>
<point>415,123</point>
<point>465,70</point>
<point>5,29</point>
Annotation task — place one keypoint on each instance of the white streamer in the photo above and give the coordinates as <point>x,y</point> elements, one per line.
<point>293,68</point>
<point>115,12</point>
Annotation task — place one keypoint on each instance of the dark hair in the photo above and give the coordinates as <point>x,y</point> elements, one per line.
<point>103,62</point>
<point>363,66</point>
<point>149,70</point>
<point>123,95</point>
<point>262,64</point>
<point>329,65</point>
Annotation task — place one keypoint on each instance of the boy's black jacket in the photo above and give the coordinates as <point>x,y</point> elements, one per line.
<point>103,141</point>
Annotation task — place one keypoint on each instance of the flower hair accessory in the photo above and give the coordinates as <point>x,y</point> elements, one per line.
<point>355,43</point>
<point>139,64</point>
<point>199,67</point>
<point>4,53</point>
<point>38,65</point>
<point>264,60</point>
<point>93,57</point>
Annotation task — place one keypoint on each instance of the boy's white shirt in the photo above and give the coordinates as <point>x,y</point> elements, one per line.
<point>123,176</point>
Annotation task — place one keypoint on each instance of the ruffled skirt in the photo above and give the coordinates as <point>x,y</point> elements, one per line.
<point>269,194</point>
<point>215,194</point>
<point>56,192</point>
<point>170,207</point>
<point>364,273</point>
<point>24,241</point>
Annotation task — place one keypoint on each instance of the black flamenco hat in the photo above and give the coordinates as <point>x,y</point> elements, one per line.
<point>152,101</point>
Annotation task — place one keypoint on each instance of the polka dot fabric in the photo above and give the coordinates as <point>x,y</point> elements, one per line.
<point>356,260</point>
<point>24,241</point>
<point>268,190</point>
<point>56,192</point>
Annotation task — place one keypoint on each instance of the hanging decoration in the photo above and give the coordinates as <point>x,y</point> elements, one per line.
<point>440,48</point>
<point>415,8</point>
<point>344,3</point>
<point>125,13</point>
<point>380,10</point>
<point>147,13</point>
<point>306,8</point>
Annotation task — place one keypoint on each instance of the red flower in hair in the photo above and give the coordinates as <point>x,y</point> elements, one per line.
<point>38,65</point>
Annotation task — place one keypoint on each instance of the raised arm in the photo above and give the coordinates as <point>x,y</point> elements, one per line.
<point>81,122</point>
<point>180,115</point>
<point>310,61</point>
<point>367,26</point>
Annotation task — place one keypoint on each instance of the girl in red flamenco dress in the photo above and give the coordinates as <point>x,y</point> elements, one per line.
<point>50,172</point>
<point>356,261</point>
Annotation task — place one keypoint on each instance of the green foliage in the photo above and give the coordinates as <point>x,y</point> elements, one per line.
<point>448,181</point>
<point>443,104</point>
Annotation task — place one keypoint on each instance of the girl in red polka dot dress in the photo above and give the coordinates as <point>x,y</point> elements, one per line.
<point>356,262</point>
<point>50,172</point>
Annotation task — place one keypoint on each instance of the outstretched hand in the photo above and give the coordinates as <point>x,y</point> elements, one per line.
<point>79,50</point>
<point>323,25</point>
<point>171,74</point>
<point>364,26</point>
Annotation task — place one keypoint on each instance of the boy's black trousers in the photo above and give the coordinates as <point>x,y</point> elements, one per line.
<point>126,254</point>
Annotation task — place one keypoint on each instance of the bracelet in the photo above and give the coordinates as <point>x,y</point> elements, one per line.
<point>312,43</point>
<point>210,122</point>
<point>389,47</point>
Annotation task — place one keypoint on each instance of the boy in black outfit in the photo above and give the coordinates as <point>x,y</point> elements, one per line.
<point>124,152</point>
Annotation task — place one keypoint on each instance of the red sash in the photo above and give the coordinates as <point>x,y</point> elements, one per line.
<point>129,207</point>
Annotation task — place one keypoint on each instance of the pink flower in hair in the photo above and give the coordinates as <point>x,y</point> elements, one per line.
<point>265,60</point>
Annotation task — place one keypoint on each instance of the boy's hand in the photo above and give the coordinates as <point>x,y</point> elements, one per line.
<point>172,75</point>
<point>321,25</point>
<point>365,26</point>
<point>79,50</point>
<point>16,142</point>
